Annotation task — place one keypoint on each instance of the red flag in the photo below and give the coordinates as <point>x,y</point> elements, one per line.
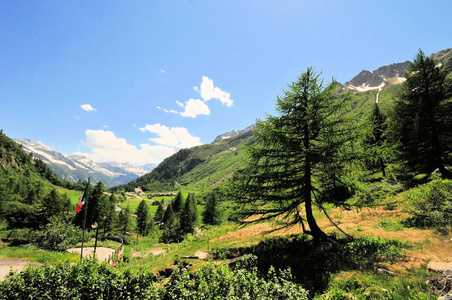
<point>80,204</point>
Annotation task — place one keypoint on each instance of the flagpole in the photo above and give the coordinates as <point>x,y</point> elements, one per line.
<point>84,218</point>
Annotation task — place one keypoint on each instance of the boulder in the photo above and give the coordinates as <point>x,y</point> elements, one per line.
<point>439,267</point>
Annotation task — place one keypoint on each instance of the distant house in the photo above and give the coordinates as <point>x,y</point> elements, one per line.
<point>138,191</point>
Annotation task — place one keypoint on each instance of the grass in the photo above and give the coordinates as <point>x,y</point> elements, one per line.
<point>32,253</point>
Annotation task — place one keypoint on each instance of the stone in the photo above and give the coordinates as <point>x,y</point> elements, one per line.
<point>439,267</point>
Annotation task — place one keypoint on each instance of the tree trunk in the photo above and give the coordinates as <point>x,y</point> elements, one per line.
<point>382,166</point>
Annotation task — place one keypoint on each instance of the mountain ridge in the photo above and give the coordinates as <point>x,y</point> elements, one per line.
<point>79,167</point>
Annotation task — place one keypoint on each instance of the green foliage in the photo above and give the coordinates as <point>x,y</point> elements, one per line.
<point>85,280</point>
<point>143,218</point>
<point>422,118</point>
<point>177,203</point>
<point>189,215</point>
<point>369,285</point>
<point>58,235</point>
<point>222,282</point>
<point>91,280</point>
<point>390,225</point>
<point>212,214</point>
<point>313,264</point>
<point>299,158</point>
<point>125,222</point>
<point>378,150</point>
<point>430,204</point>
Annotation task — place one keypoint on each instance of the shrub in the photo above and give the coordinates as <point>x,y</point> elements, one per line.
<point>430,204</point>
<point>57,235</point>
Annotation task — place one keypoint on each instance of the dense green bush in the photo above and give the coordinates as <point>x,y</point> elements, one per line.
<point>312,264</point>
<point>91,280</point>
<point>58,235</point>
<point>430,204</point>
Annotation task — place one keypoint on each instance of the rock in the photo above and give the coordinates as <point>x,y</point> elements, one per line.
<point>448,296</point>
<point>447,272</point>
<point>439,267</point>
<point>384,271</point>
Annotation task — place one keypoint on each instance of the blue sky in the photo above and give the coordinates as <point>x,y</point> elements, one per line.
<point>138,80</point>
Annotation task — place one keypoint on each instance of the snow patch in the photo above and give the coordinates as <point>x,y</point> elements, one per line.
<point>366,87</point>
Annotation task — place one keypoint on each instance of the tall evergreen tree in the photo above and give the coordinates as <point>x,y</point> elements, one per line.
<point>178,203</point>
<point>298,159</point>
<point>158,218</point>
<point>378,149</point>
<point>423,116</point>
<point>143,218</point>
<point>125,220</point>
<point>212,213</point>
<point>189,214</point>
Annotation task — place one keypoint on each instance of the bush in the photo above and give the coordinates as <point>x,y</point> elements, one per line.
<point>430,204</point>
<point>223,282</point>
<point>58,235</point>
<point>91,280</point>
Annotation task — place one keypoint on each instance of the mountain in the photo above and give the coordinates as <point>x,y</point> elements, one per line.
<point>391,74</point>
<point>233,133</point>
<point>78,167</point>
<point>198,167</point>
<point>377,79</point>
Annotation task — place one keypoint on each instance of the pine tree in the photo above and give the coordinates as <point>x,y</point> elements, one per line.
<point>212,213</point>
<point>158,218</point>
<point>143,218</point>
<point>189,214</point>
<point>298,159</point>
<point>177,203</point>
<point>423,117</point>
<point>125,221</point>
<point>378,149</point>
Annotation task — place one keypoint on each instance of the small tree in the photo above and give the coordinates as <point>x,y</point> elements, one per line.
<point>212,213</point>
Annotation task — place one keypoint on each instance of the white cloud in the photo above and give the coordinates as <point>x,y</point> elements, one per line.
<point>208,92</point>
<point>105,146</point>
<point>162,71</point>
<point>195,107</point>
<point>174,137</point>
<point>88,107</point>
<point>179,103</point>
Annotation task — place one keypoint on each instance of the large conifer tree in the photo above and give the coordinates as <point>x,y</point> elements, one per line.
<point>423,116</point>
<point>297,159</point>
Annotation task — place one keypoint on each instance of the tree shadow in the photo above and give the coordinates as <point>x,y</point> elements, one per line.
<point>313,264</point>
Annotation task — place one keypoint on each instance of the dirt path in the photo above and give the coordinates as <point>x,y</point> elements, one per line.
<point>102,253</point>
<point>16,265</point>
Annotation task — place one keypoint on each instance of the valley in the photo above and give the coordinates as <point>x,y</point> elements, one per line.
<point>341,195</point>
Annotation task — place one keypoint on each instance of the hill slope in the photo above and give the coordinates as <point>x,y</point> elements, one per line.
<point>199,167</point>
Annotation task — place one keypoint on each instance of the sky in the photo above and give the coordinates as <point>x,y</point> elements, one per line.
<point>136,81</point>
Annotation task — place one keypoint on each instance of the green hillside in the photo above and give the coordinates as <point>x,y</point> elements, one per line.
<point>24,182</point>
<point>199,167</point>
